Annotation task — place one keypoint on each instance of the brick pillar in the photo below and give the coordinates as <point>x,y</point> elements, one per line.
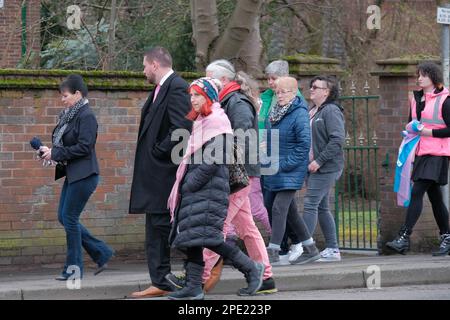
<point>11,32</point>
<point>397,78</point>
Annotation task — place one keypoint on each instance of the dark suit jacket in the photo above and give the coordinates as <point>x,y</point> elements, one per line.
<point>79,147</point>
<point>154,171</point>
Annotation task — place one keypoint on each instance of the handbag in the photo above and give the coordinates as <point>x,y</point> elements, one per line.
<point>239,178</point>
<point>60,170</point>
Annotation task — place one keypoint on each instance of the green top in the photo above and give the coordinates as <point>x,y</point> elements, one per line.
<point>268,101</point>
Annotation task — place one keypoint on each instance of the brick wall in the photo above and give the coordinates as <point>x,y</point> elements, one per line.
<point>397,80</point>
<point>29,103</point>
<point>11,31</point>
<point>29,231</point>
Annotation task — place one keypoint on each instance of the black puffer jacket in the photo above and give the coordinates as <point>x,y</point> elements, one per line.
<point>203,206</point>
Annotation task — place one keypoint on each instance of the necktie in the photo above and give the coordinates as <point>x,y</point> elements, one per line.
<point>156,92</point>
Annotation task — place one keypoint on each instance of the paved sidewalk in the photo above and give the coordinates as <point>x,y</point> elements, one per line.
<point>122,278</point>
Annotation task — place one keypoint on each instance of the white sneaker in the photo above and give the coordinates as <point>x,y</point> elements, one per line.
<point>330,254</point>
<point>295,252</point>
<point>284,261</point>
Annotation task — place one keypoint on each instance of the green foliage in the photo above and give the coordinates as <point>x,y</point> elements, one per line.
<point>145,33</point>
<point>78,52</point>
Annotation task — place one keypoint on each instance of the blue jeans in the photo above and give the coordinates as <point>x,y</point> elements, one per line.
<point>74,197</point>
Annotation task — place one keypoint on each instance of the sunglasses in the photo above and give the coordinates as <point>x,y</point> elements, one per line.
<point>314,87</point>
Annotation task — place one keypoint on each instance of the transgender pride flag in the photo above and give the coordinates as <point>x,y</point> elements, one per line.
<point>405,160</point>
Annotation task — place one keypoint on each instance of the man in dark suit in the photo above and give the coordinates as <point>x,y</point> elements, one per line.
<point>154,171</point>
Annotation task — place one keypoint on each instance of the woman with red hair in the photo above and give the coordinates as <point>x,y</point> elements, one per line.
<point>199,199</point>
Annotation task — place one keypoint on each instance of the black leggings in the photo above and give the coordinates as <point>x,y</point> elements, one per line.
<point>415,207</point>
<point>195,254</point>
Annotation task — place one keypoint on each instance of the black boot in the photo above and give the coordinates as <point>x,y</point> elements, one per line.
<point>401,243</point>
<point>253,271</point>
<point>193,289</point>
<point>444,248</point>
<point>233,242</point>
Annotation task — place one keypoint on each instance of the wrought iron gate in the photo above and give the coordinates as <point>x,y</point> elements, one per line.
<point>357,200</point>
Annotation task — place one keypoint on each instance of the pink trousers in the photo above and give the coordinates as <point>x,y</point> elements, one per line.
<point>258,209</point>
<point>239,214</point>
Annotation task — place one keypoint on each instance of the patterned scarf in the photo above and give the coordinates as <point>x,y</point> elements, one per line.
<point>278,112</point>
<point>65,116</point>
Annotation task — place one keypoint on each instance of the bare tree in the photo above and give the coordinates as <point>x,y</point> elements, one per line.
<point>240,42</point>
<point>111,35</point>
<point>205,29</point>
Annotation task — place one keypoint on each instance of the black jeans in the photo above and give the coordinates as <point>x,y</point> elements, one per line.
<point>195,254</point>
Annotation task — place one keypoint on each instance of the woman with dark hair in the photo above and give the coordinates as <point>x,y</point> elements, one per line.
<point>326,161</point>
<point>200,196</point>
<point>430,106</point>
<point>73,151</point>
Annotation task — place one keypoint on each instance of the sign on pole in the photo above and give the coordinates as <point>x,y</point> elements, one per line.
<point>443,15</point>
<point>2,4</point>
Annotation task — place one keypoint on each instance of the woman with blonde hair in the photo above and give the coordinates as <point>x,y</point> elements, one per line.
<point>290,118</point>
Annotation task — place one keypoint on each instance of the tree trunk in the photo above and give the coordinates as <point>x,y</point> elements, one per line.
<point>332,39</point>
<point>205,29</point>
<point>111,35</point>
<point>250,57</point>
<point>241,26</point>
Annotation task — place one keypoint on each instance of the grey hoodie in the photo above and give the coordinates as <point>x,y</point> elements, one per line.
<point>328,137</point>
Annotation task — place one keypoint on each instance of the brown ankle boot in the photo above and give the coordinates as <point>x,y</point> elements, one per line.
<point>216,272</point>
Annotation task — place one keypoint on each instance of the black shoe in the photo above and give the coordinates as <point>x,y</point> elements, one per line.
<point>100,269</point>
<point>267,287</point>
<point>178,282</point>
<point>104,265</point>
<point>61,278</point>
<point>444,248</point>
<point>401,243</point>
